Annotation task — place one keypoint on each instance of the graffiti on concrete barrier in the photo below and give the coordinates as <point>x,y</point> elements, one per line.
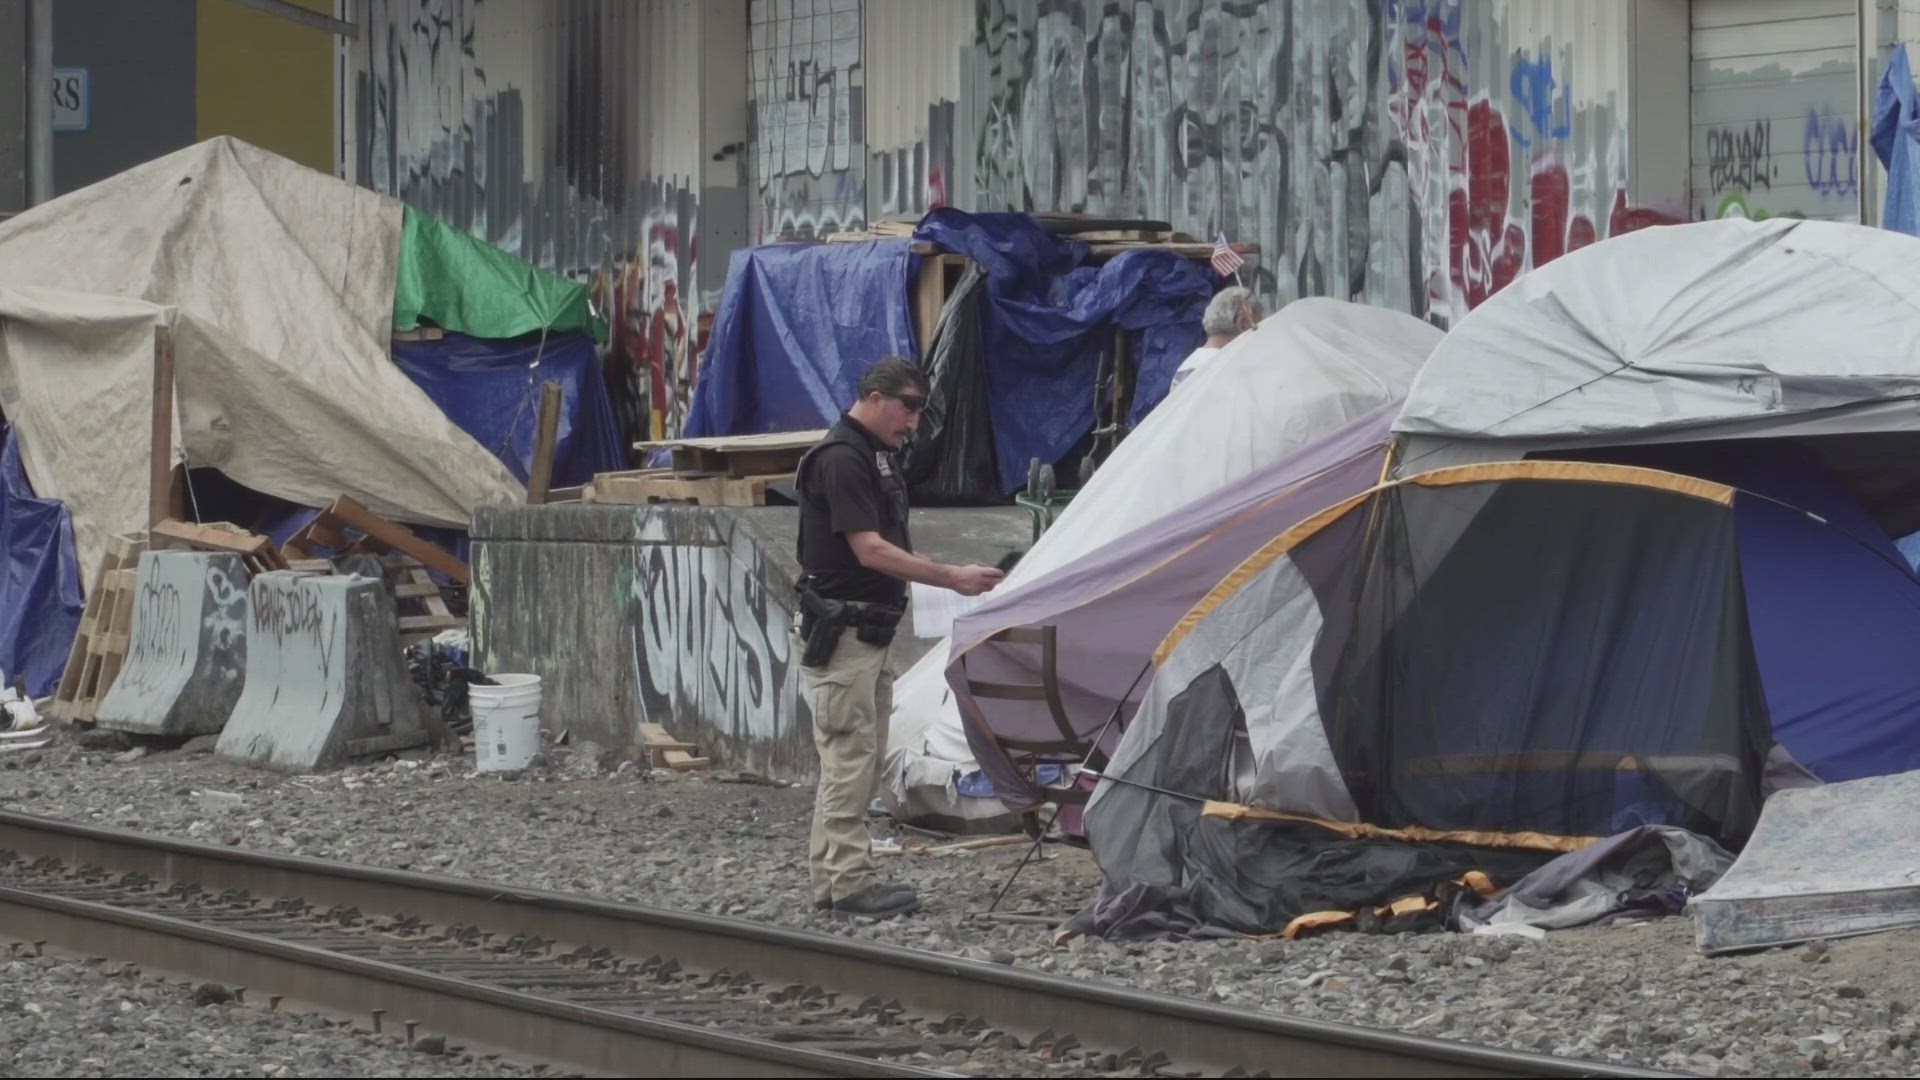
<point>712,643</point>
<point>159,648</point>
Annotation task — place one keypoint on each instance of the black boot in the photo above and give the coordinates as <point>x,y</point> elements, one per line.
<point>876,902</point>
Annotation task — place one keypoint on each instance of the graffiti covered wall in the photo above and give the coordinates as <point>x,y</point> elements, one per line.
<point>807,98</point>
<point>567,132</point>
<point>1776,131</point>
<point>1413,153</point>
<point>676,615</point>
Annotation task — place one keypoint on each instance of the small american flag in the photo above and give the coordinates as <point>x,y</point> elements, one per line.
<point>1225,260</point>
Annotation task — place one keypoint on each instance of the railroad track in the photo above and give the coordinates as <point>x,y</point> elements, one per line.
<point>617,989</point>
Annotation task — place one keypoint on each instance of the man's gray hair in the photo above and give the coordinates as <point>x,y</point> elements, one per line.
<point>1223,311</point>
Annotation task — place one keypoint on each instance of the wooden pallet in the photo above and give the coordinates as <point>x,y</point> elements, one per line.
<point>667,752</point>
<point>664,485</point>
<point>420,604</point>
<point>738,456</point>
<point>100,647</point>
<point>256,552</point>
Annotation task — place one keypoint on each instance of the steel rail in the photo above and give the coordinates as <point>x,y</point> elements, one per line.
<point>1196,1035</point>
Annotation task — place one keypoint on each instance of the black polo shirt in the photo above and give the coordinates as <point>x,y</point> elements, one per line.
<point>851,482</point>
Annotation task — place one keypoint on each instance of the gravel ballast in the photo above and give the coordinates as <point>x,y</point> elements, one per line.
<point>68,1017</point>
<point>1636,995</point>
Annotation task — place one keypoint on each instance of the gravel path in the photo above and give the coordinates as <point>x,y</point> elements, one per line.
<point>1638,995</point>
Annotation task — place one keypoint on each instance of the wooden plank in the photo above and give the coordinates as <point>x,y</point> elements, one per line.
<point>680,760</point>
<point>764,441</point>
<point>660,486</point>
<point>929,296</point>
<point>399,538</point>
<point>160,450</point>
<point>428,622</point>
<point>566,494</point>
<point>259,551</point>
<point>545,436</point>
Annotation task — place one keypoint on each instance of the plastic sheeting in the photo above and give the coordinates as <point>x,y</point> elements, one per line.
<point>278,283</point>
<point>798,324</point>
<point>492,390</point>
<point>1305,372</point>
<point>40,592</point>
<point>460,282</point>
<point>951,462</point>
<point>1896,141</point>
<point>1047,320</point>
<point>1681,327</point>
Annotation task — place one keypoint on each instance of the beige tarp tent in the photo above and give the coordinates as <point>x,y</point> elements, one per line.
<point>278,281</point>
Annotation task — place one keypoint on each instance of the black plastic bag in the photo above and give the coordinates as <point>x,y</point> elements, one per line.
<point>952,462</point>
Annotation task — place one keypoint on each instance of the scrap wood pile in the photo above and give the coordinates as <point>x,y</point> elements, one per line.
<point>731,470</point>
<point>343,537</point>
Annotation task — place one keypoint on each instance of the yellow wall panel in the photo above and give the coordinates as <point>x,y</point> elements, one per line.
<point>267,80</point>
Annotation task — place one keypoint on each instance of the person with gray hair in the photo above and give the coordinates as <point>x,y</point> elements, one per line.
<point>1229,314</point>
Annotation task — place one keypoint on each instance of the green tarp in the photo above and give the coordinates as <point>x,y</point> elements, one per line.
<point>466,285</point>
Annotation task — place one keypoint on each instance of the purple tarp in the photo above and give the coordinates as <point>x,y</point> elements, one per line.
<point>1111,608</point>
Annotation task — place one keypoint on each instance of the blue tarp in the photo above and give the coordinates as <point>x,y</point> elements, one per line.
<point>488,388</point>
<point>1896,140</point>
<point>798,324</point>
<point>1047,319</point>
<point>40,595</point>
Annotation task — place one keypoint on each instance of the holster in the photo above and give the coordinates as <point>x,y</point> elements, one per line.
<point>822,621</point>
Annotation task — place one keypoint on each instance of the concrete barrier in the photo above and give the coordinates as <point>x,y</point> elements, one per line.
<point>187,649</point>
<point>325,679</point>
<point>676,615</point>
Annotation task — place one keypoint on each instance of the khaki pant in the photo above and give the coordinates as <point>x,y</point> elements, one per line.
<point>852,700</point>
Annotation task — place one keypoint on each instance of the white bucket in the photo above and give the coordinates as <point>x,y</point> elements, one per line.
<point>506,722</point>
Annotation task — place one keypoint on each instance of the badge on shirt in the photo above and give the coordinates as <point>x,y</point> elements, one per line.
<point>886,465</point>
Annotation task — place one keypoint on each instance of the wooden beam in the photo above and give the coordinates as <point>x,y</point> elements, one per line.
<point>294,13</point>
<point>398,537</point>
<point>929,296</point>
<point>545,435</point>
<point>160,463</point>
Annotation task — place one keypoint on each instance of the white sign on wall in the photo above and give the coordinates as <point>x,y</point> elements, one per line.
<point>72,99</point>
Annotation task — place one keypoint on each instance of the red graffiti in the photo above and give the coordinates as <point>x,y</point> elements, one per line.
<point>651,355</point>
<point>1489,248</point>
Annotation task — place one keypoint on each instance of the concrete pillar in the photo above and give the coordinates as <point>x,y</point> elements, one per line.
<point>40,102</point>
<point>13,106</point>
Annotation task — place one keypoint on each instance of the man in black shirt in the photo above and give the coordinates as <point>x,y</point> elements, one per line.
<point>858,558</point>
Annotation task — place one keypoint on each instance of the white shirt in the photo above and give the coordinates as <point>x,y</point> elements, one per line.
<point>1194,363</point>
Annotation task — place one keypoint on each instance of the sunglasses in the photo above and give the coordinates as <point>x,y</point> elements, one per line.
<point>913,404</point>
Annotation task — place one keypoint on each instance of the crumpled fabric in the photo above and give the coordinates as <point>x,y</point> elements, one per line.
<point>1646,872</point>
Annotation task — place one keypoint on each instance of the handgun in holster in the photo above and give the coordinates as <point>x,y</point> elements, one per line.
<point>822,621</point>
